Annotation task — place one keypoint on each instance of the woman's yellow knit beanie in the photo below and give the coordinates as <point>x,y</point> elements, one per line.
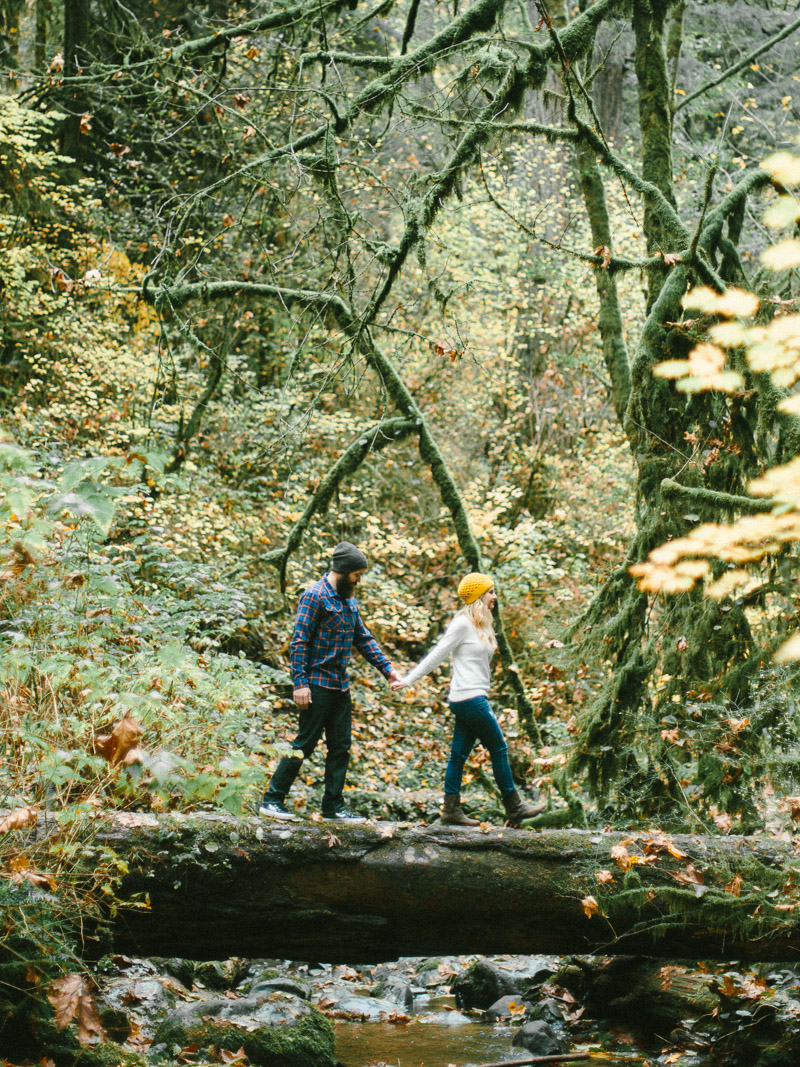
<point>474,585</point>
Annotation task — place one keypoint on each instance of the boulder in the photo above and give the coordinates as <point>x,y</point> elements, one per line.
<point>540,1039</point>
<point>482,985</point>
<point>396,989</point>
<point>220,974</point>
<point>547,1009</point>
<point>282,985</point>
<point>446,1018</point>
<point>373,1009</point>
<point>275,1030</point>
<point>501,1009</point>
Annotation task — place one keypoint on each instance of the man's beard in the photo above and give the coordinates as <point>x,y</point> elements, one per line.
<point>344,587</point>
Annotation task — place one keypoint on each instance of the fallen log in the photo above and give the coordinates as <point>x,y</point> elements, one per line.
<point>217,886</point>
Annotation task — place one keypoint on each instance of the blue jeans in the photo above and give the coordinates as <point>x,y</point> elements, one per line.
<point>475,722</point>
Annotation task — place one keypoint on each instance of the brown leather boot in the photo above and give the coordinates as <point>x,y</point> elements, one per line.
<point>517,809</point>
<point>452,815</point>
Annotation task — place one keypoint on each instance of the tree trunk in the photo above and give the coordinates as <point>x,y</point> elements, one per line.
<point>76,37</point>
<point>219,886</point>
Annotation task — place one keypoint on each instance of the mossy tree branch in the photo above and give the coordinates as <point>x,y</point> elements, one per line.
<point>743,64</point>
<point>404,401</point>
<point>691,494</point>
<point>373,439</point>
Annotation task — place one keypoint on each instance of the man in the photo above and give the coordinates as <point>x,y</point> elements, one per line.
<point>327,627</point>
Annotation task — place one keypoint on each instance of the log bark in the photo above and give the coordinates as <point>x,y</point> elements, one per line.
<point>219,886</point>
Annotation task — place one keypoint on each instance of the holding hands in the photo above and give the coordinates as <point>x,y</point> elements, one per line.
<point>396,680</point>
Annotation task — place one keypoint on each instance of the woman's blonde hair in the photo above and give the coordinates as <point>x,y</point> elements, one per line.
<point>481,618</point>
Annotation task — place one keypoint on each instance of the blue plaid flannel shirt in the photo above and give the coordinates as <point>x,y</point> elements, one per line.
<point>325,630</point>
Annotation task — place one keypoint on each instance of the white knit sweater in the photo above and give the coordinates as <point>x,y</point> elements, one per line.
<point>471,659</point>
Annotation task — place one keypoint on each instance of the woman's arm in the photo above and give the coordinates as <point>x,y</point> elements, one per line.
<point>454,635</point>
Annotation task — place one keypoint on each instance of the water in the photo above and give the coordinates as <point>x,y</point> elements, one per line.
<point>421,1044</point>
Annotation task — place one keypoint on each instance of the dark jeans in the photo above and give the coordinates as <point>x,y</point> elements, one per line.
<point>331,713</point>
<point>475,722</point>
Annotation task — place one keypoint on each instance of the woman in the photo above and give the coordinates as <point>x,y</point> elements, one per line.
<point>470,640</point>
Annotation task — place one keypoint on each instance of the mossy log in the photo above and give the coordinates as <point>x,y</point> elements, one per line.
<point>218,886</point>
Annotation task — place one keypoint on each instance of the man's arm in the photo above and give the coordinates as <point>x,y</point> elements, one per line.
<point>305,623</point>
<point>371,650</point>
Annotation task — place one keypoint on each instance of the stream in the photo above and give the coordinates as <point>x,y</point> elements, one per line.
<point>458,1011</point>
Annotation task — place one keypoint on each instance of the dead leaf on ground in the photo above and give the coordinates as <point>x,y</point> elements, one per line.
<point>122,740</point>
<point>604,877</point>
<point>331,839</point>
<point>19,819</point>
<point>723,821</point>
<point>72,998</point>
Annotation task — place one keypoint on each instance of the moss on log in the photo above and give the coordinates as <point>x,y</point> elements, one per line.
<point>219,886</point>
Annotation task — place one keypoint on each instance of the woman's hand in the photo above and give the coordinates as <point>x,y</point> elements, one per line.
<point>398,683</point>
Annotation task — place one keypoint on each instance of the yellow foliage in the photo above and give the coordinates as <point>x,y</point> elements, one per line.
<point>782,256</point>
<point>784,167</point>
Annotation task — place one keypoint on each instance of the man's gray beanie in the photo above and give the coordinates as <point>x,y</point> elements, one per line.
<point>347,558</point>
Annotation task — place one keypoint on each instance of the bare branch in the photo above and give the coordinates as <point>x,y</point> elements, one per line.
<point>787,31</point>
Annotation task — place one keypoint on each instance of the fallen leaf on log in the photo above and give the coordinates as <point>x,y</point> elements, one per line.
<point>735,885</point>
<point>234,1057</point>
<point>590,907</point>
<point>331,839</point>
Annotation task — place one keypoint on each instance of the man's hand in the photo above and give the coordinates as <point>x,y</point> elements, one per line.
<point>302,697</point>
<point>396,679</point>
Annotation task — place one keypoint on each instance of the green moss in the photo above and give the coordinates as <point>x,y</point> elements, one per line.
<point>308,1043</point>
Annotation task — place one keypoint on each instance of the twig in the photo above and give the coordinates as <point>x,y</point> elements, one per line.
<point>567,1057</point>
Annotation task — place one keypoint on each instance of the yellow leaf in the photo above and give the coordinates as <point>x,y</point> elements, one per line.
<point>671,368</point>
<point>783,255</point>
<point>621,856</point>
<point>700,299</point>
<point>737,303</point>
<point>785,211</point>
<point>784,167</point>
<point>590,907</point>
<point>729,581</point>
<point>729,334</point>
<point>789,651</point>
<point>726,382</point>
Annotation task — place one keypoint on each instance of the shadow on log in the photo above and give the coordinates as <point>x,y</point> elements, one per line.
<point>219,887</point>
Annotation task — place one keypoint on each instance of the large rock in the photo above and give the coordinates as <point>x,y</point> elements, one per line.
<point>482,985</point>
<point>548,1010</point>
<point>275,1030</point>
<point>372,1009</point>
<point>397,989</point>
<point>540,1039</point>
<point>280,985</point>
<point>501,1009</point>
